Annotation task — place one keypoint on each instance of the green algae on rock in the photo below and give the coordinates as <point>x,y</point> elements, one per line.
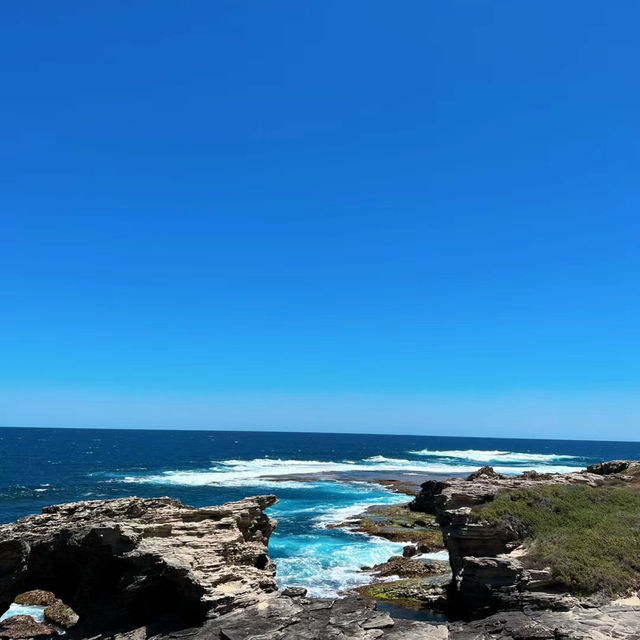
<point>398,524</point>
<point>410,592</point>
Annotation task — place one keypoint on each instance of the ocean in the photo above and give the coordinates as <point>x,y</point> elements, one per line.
<point>47,466</point>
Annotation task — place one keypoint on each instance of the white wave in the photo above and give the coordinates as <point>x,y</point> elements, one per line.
<point>34,611</point>
<point>327,570</point>
<point>496,455</point>
<point>212,478</point>
<point>337,515</point>
<point>267,471</point>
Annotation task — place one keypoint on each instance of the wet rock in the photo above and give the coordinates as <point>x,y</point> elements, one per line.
<point>397,523</point>
<point>61,614</point>
<point>410,592</point>
<point>484,472</point>
<point>37,597</point>
<point>18,627</point>
<point>409,551</point>
<point>408,568</point>
<point>294,592</point>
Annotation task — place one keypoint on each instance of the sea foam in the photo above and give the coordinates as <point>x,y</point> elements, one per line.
<point>268,471</point>
<point>486,456</point>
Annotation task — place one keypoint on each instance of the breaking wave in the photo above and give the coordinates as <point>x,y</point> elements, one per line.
<point>292,473</point>
<point>495,456</point>
<point>327,566</point>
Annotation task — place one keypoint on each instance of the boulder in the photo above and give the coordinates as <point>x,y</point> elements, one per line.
<point>404,567</point>
<point>484,472</point>
<point>294,592</point>
<point>37,597</point>
<point>614,467</point>
<point>61,614</point>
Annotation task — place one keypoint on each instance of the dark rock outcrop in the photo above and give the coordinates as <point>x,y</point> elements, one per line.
<point>284,618</point>
<point>596,623</point>
<point>614,467</point>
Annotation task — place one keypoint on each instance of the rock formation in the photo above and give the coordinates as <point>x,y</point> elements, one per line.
<point>126,562</point>
<point>488,574</point>
<point>135,569</point>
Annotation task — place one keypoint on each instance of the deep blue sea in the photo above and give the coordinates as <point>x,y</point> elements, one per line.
<point>46,466</point>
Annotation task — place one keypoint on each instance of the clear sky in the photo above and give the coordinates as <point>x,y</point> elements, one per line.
<point>417,217</point>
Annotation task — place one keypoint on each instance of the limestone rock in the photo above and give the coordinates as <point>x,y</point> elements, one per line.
<point>18,627</point>
<point>36,597</point>
<point>486,575</point>
<point>61,614</point>
<point>127,561</point>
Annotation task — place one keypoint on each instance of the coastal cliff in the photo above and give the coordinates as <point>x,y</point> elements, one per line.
<point>138,568</point>
<point>133,568</point>
<point>130,561</point>
<point>502,534</point>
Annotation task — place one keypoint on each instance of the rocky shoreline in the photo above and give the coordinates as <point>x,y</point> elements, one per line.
<point>136,568</point>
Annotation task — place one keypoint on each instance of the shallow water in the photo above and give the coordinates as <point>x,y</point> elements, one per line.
<point>36,612</point>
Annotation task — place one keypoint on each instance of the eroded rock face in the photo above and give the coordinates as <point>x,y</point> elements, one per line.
<point>487,572</point>
<point>125,562</point>
<point>61,614</point>
<point>614,467</point>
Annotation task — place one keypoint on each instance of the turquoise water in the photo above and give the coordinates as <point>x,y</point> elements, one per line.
<point>47,466</point>
<point>36,612</point>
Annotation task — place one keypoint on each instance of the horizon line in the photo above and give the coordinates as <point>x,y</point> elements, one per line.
<point>352,433</point>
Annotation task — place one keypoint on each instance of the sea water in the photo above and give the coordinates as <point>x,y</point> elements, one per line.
<point>47,466</point>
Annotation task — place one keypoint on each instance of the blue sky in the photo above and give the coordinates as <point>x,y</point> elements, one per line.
<point>417,217</point>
